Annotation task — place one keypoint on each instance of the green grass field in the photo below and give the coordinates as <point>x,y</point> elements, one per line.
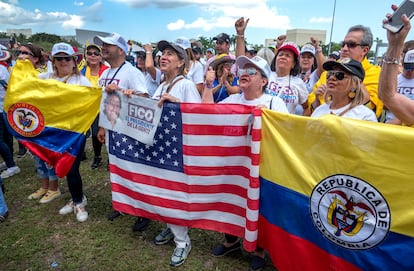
<point>35,237</point>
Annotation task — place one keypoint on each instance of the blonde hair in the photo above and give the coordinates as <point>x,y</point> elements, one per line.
<point>355,85</point>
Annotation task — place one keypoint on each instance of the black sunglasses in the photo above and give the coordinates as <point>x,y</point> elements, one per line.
<point>95,53</point>
<point>66,58</point>
<point>18,52</point>
<point>351,44</point>
<point>338,75</point>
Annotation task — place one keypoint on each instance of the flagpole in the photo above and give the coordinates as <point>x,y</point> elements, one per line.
<point>332,25</point>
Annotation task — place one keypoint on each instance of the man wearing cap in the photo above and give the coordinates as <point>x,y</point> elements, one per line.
<point>121,76</point>
<point>356,45</point>
<point>401,106</point>
<point>145,63</point>
<point>222,47</point>
<point>254,74</point>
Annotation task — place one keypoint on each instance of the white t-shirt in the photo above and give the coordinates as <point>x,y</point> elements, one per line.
<point>72,80</point>
<point>291,89</point>
<point>271,102</point>
<point>4,76</point>
<point>184,90</point>
<point>360,112</point>
<point>151,83</point>
<point>125,76</point>
<point>405,87</point>
<point>196,73</point>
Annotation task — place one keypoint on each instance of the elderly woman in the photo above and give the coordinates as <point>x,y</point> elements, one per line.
<point>254,76</point>
<point>175,88</point>
<point>344,96</point>
<point>65,70</point>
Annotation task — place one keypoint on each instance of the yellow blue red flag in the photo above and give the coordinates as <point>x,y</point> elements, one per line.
<point>336,194</point>
<point>49,117</point>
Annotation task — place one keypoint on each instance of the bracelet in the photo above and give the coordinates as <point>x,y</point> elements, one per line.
<point>209,86</point>
<point>148,52</point>
<point>391,60</point>
<point>241,36</point>
<point>318,50</point>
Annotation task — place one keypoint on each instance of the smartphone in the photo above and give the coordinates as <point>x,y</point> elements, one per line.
<point>395,24</point>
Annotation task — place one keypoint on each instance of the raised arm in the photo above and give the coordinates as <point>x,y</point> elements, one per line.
<point>240,26</point>
<point>401,106</point>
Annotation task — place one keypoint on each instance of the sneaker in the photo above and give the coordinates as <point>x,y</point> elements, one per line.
<point>22,152</point>
<point>222,250</point>
<point>97,162</point>
<point>180,255</point>
<point>69,207</point>
<point>164,237</point>
<point>3,166</point>
<point>81,213</point>
<point>11,171</point>
<point>50,195</point>
<point>38,193</point>
<point>258,263</point>
<point>113,215</point>
<point>140,224</point>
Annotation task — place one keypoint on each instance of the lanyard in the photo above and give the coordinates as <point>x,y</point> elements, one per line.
<point>116,72</point>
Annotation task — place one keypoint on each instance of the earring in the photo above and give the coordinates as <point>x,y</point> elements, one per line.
<point>351,94</point>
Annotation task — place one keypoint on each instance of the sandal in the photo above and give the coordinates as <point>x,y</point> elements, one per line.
<point>3,217</point>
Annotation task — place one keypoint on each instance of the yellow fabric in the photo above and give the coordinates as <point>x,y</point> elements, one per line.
<point>298,152</point>
<point>92,78</point>
<point>371,80</point>
<point>64,106</point>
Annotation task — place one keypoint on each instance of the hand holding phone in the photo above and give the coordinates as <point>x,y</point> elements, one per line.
<point>395,23</point>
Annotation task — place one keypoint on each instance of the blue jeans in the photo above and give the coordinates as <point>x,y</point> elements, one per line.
<point>44,170</point>
<point>3,205</point>
<point>6,143</point>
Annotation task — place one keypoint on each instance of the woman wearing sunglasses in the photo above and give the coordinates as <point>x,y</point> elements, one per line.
<point>344,95</point>
<point>93,70</point>
<point>65,69</point>
<point>225,82</point>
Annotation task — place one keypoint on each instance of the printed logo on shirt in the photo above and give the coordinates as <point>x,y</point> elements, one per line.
<point>26,119</point>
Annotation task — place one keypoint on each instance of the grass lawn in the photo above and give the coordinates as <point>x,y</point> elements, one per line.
<point>35,237</point>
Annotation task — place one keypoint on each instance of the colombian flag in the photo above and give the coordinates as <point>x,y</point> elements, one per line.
<point>49,117</point>
<point>336,194</point>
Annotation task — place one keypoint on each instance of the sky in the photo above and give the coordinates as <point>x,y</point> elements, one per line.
<point>153,20</point>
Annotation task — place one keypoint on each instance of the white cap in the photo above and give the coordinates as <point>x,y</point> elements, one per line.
<point>62,47</point>
<point>408,62</point>
<point>183,42</point>
<point>259,62</point>
<point>308,48</point>
<point>113,39</point>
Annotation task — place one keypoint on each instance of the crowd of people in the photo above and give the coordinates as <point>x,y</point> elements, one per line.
<point>286,79</point>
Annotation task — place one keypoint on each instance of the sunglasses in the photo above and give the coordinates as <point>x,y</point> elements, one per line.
<point>338,75</point>
<point>351,44</point>
<point>249,71</point>
<point>66,58</point>
<point>18,52</point>
<point>93,53</point>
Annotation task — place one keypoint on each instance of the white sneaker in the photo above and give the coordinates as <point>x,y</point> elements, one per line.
<point>67,209</point>
<point>180,255</point>
<point>10,172</point>
<point>81,213</point>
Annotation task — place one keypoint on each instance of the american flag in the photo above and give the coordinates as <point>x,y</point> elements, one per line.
<point>202,170</point>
